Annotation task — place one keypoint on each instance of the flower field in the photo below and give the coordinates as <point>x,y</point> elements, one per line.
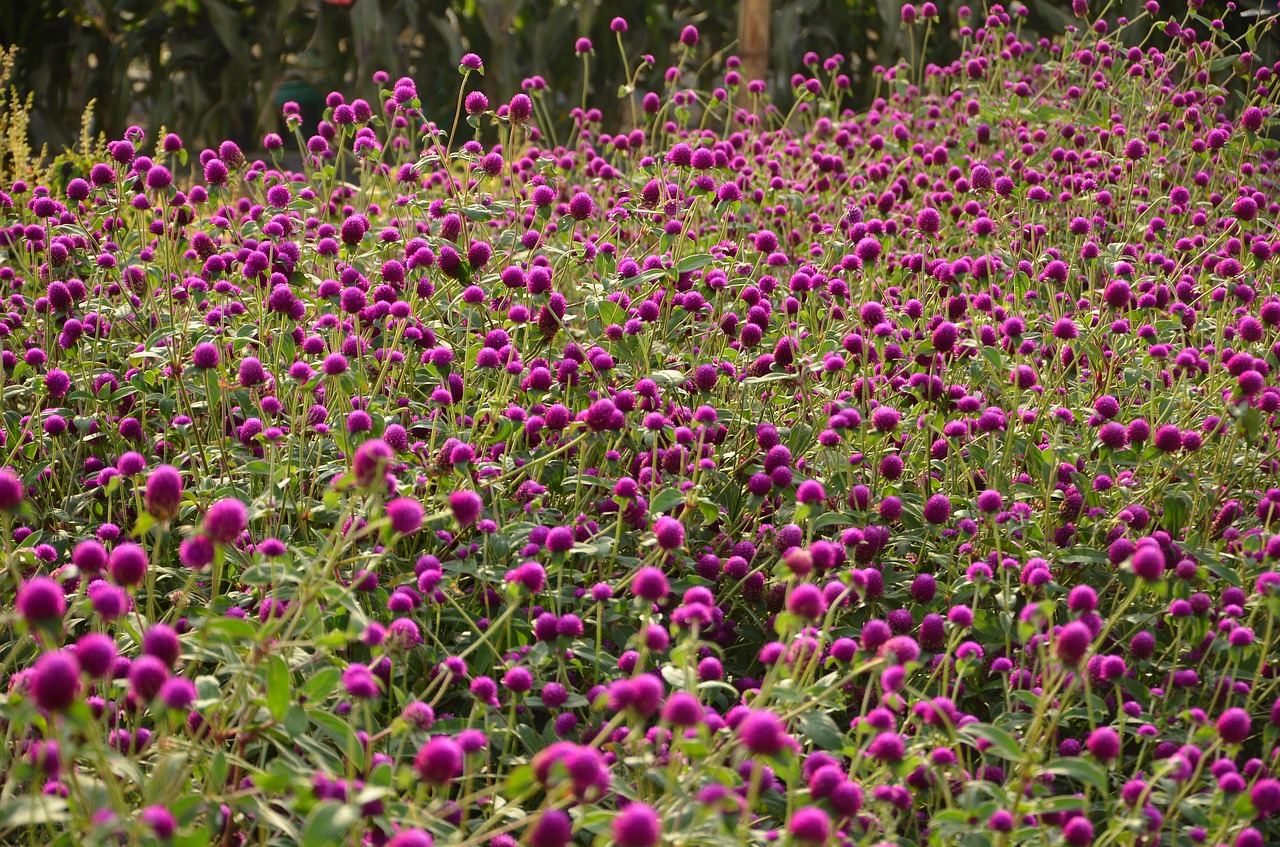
<point>899,477</point>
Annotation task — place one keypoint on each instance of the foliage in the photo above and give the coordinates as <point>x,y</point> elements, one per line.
<point>732,475</point>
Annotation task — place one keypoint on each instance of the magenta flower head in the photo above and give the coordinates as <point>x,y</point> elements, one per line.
<point>89,557</point>
<point>683,709</point>
<point>937,509</point>
<point>520,108</point>
<point>439,760</point>
<point>160,821</point>
<point>618,25</point>
<point>178,693</point>
<point>252,372</point>
<point>1234,725</point>
<point>689,36</point>
<point>1103,743</point>
<point>196,552</point>
<point>638,825</point>
<point>164,493</point>
<point>11,491</point>
<point>412,838</point>
<point>1266,797</point>
<point>887,747</point>
<point>360,682</point>
<point>762,733</point>
<point>806,601</point>
<point>650,584</point>
<point>41,601</point>
<point>128,564</point>
<point>810,825</point>
<point>206,355</point>
<point>405,514</point>
<point>55,681</point>
<point>553,829</point>
<point>1072,643</point>
<point>225,520</point>
<point>670,533</point>
<point>472,62</point>
<point>1148,562</point>
<point>96,654</point>
<point>371,462</point>
<point>466,506</point>
<point>146,675</point>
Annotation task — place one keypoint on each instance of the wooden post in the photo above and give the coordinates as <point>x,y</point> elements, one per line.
<point>753,38</point>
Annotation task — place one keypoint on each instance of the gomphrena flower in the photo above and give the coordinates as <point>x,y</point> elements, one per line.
<point>762,733</point>
<point>163,495</point>
<point>669,532</point>
<point>638,825</point>
<point>372,460</point>
<point>650,584</point>
<point>439,760</point>
<point>1072,643</point>
<point>41,601</point>
<point>466,506</point>
<point>225,520</point>
<point>405,515</point>
<point>11,490</point>
<point>55,681</point>
<point>128,564</point>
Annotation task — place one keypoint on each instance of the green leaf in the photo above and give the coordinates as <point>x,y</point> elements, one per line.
<point>328,824</point>
<point>694,262</point>
<point>318,686</point>
<point>1002,743</point>
<point>666,499</point>
<point>1081,770</point>
<point>278,687</point>
<point>819,728</point>
<point>1177,508</point>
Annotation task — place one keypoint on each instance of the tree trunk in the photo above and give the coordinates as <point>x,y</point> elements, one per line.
<point>753,38</point>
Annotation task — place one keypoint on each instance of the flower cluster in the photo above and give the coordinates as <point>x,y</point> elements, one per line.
<point>902,476</point>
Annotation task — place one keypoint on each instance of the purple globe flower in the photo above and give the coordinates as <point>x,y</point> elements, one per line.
<point>55,681</point>
<point>146,675</point>
<point>810,825</point>
<point>466,506</point>
<point>1104,743</point>
<point>41,600</point>
<point>160,821</point>
<point>638,825</point>
<point>128,564</point>
<point>1234,725</point>
<point>762,733</point>
<point>405,515</point>
<point>371,462</point>
<point>196,552</point>
<point>937,509</point>
<point>1265,797</point>
<point>11,491</point>
<point>650,584</point>
<point>225,520</point>
<point>412,838</point>
<point>438,761</point>
<point>163,494</point>
<point>669,532</point>
<point>1072,643</point>
<point>360,683</point>
<point>96,653</point>
<point>1149,562</point>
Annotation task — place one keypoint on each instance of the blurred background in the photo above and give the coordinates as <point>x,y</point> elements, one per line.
<point>218,69</point>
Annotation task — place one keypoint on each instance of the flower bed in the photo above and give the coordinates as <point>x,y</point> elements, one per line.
<point>903,477</point>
